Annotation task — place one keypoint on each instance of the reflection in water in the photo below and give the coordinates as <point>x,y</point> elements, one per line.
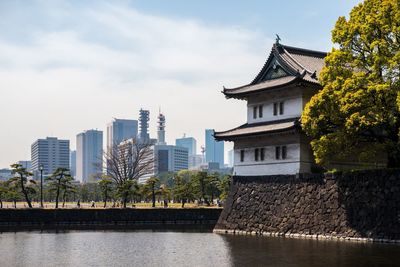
<point>184,249</point>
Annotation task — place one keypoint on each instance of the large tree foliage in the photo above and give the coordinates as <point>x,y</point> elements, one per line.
<point>22,181</point>
<point>59,182</point>
<point>356,112</point>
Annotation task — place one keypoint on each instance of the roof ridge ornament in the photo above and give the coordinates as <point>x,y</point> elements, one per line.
<point>277,39</point>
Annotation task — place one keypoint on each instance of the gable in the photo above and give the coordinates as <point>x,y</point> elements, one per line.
<point>272,70</point>
<point>275,72</point>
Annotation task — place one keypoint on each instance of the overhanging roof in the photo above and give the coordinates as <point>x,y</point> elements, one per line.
<point>298,64</point>
<point>257,129</point>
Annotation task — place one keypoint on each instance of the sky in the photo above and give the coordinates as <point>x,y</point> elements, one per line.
<point>70,66</point>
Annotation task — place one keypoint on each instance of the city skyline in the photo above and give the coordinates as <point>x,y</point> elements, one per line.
<point>48,55</point>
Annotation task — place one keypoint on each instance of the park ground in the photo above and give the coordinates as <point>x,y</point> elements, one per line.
<point>100,205</point>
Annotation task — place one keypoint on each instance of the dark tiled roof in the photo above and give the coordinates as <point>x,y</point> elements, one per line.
<point>257,129</point>
<point>278,82</point>
<point>299,63</point>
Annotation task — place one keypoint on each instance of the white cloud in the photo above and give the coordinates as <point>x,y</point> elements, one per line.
<point>113,60</point>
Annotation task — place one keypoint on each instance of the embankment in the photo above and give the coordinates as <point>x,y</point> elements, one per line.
<point>96,219</point>
<point>362,206</point>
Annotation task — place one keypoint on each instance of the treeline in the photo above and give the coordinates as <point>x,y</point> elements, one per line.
<point>184,187</point>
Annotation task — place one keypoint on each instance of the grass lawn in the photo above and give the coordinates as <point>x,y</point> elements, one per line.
<point>99,205</point>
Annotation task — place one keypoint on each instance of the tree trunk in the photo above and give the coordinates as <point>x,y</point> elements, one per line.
<point>57,196</point>
<point>183,203</point>
<point>64,198</point>
<point>1,204</point>
<point>58,192</point>
<point>125,200</point>
<point>25,193</point>
<point>15,204</point>
<point>153,195</point>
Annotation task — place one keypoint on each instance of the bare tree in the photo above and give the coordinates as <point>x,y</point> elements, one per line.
<point>127,162</point>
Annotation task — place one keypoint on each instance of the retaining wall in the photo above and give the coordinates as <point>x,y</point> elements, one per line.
<point>188,218</point>
<point>361,205</point>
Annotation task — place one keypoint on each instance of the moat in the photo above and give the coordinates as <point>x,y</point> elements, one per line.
<point>148,248</point>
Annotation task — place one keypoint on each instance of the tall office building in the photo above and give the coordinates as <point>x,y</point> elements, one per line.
<point>144,117</point>
<point>51,153</point>
<point>188,142</point>
<point>72,162</point>
<point>214,149</point>
<point>119,130</point>
<point>89,149</point>
<point>170,158</point>
<point>161,130</point>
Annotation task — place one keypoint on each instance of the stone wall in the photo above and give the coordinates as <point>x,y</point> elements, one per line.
<point>188,218</point>
<point>363,204</point>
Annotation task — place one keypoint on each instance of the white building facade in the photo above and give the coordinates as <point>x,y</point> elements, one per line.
<point>51,153</point>
<point>272,142</point>
<point>89,156</point>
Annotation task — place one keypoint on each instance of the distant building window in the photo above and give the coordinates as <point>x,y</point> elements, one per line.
<point>277,152</point>
<point>275,109</point>
<point>281,106</point>
<point>260,111</point>
<point>256,154</point>
<point>241,155</point>
<point>255,112</point>
<point>262,154</point>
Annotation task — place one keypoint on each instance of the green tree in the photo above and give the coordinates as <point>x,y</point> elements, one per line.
<point>356,112</point>
<point>21,180</point>
<point>223,186</point>
<point>13,193</point>
<point>151,188</point>
<point>67,188</point>
<point>212,189</point>
<point>55,182</point>
<point>183,188</point>
<point>106,188</point>
<point>3,192</point>
<point>200,184</point>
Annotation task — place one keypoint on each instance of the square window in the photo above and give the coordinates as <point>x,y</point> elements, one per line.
<point>241,155</point>
<point>255,112</point>
<point>260,111</point>
<point>256,154</point>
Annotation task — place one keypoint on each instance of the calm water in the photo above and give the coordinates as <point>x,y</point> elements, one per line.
<point>184,249</point>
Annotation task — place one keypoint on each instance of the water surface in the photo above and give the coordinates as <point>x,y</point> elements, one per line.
<point>110,248</point>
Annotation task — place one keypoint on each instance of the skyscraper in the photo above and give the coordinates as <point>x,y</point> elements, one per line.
<point>51,153</point>
<point>188,142</point>
<point>170,158</point>
<point>161,130</point>
<point>72,162</point>
<point>214,149</point>
<point>89,149</point>
<point>119,130</point>
<point>144,117</point>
